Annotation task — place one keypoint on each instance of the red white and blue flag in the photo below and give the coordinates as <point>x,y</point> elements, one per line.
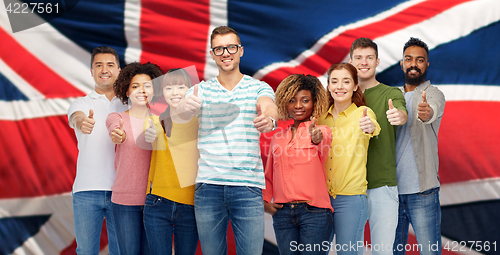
<point>44,68</point>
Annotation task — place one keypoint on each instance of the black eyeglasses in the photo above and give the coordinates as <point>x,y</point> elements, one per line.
<point>231,49</point>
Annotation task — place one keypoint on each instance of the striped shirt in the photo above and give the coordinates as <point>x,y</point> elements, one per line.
<point>227,139</point>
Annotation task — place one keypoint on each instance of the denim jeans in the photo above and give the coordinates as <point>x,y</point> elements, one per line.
<point>349,220</point>
<point>423,211</point>
<point>299,226</point>
<point>130,232</point>
<point>383,218</point>
<point>163,219</point>
<point>89,210</point>
<point>215,205</point>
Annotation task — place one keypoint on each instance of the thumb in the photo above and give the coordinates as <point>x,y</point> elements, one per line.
<point>390,104</point>
<point>150,123</point>
<point>195,90</point>
<point>365,112</point>
<point>91,113</point>
<point>259,111</point>
<point>424,99</point>
<point>121,124</point>
<point>313,121</point>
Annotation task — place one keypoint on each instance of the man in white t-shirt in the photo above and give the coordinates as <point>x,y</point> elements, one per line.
<point>95,171</point>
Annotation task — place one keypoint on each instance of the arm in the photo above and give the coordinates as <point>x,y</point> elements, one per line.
<point>397,114</point>
<point>191,105</point>
<point>265,108</point>
<point>267,193</point>
<point>79,121</point>
<point>432,106</point>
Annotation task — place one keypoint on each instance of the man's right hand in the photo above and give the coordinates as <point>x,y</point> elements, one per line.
<point>271,207</point>
<point>87,124</point>
<point>193,103</point>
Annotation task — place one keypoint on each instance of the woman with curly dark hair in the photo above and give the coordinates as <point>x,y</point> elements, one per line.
<point>352,125</point>
<point>133,87</point>
<point>295,176</point>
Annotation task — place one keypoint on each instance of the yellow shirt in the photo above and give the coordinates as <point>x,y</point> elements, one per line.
<point>174,167</point>
<point>345,166</point>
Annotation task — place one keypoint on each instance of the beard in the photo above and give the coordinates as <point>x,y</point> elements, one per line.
<point>417,80</point>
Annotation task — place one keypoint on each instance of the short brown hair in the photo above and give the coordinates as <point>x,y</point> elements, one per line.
<point>294,83</point>
<point>357,96</point>
<point>223,30</point>
<point>363,43</point>
<point>104,50</point>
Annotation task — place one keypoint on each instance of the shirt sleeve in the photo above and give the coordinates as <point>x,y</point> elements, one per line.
<point>265,90</point>
<point>267,193</point>
<point>398,99</point>
<point>436,100</point>
<point>326,143</point>
<point>373,118</point>
<point>113,122</point>
<point>77,106</point>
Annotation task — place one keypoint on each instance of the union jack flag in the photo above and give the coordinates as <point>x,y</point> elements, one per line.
<point>44,68</point>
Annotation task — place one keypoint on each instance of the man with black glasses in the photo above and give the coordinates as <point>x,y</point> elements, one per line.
<point>233,110</point>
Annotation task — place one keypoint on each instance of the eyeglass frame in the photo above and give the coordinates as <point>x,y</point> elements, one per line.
<point>226,48</point>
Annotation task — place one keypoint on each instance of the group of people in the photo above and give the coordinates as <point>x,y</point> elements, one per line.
<point>356,151</point>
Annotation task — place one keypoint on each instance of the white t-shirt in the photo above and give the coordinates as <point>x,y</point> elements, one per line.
<point>95,165</point>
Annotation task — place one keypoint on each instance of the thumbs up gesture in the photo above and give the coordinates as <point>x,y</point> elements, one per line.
<point>150,133</point>
<point>424,109</point>
<point>262,122</point>
<point>193,103</point>
<point>365,123</point>
<point>88,123</point>
<point>316,134</point>
<point>118,134</point>
<point>394,116</point>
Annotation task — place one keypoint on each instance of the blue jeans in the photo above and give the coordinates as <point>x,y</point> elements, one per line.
<point>349,218</point>
<point>383,218</point>
<point>163,219</point>
<point>423,211</point>
<point>299,226</point>
<point>89,210</point>
<point>215,205</point>
<point>130,232</point>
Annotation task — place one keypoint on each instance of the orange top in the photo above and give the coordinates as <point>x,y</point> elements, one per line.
<point>295,167</point>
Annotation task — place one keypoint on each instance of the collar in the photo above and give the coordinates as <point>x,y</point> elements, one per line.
<point>346,112</point>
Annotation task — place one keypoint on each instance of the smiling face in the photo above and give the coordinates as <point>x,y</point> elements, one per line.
<point>300,107</point>
<point>140,91</point>
<point>365,60</point>
<point>227,62</point>
<point>105,70</point>
<point>174,94</point>
<point>341,86</point>
<point>414,65</point>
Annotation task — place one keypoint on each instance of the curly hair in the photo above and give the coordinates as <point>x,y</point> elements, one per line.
<point>294,83</point>
<point>358,97</point>
<point>126,75</point>
<point>174,76</point>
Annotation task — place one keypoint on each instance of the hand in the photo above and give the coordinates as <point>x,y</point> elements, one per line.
<point>88,123</point>
<point>271,207</point>
<point>424,109</point>
<point>365,123</point>
<point>394,116</point>
<point>193,102</point>
<point>262,122</point>
<point>118,134</point>
<point>316,134</point>
<point>150,133</point>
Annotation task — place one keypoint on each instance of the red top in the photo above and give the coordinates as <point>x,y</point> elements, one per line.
<point>295,169</point>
